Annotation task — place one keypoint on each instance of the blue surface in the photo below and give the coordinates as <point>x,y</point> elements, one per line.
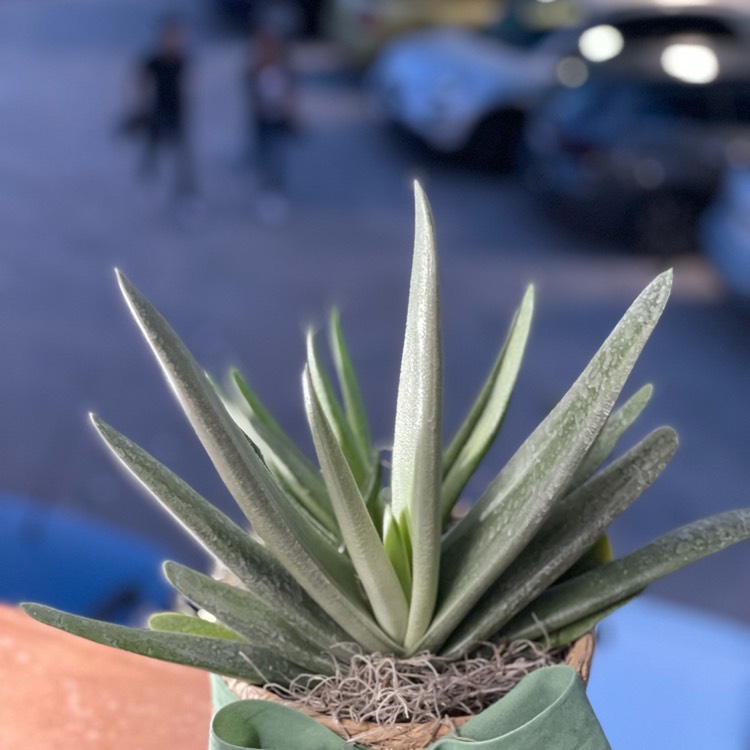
<point>667,676</point>
<point>72,562</point>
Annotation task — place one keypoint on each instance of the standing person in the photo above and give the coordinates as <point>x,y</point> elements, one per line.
<point>271,101</point>
<point>162,90</point>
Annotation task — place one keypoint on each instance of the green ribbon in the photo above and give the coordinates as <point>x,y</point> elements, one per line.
<point>547,710</point>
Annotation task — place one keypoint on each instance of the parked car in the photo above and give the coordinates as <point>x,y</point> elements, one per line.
<point>638,142</point>
<point>469,92</point>
<point>724,229</point>
<point>463,90</point>
<point>361,27</point>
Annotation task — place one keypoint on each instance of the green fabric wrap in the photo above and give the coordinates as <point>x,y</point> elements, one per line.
<point>547,710</point>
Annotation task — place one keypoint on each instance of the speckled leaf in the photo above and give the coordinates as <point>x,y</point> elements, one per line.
<point>249,616</point>
<point>335,415</point>
<point>249,560</point>
<point>230,658</point>
<point>601,587</point>
<point>287,462</point>
<point>573,632</point>
<point>259,411</point>
<point>360,536</point>
<point>598,554</point>
<point>288,477</point>
<point>557,546</point>
<point>373,494</point>
<point>480,547</point>
<point>319,568</point>
<point>476,434</point>
<point>176,622</point>
<point>614,428</point>
<point>417,451</point>
<point>354,407</point>
<point>396,549</point>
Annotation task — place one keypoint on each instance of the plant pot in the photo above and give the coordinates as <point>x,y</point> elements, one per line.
<point>399,736</point>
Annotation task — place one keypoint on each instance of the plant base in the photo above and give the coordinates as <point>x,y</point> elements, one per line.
<point>394,736</point>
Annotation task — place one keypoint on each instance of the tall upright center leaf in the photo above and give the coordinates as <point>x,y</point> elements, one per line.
<point>417,444</point>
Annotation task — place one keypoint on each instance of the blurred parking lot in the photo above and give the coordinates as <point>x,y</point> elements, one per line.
<point>241,291</point>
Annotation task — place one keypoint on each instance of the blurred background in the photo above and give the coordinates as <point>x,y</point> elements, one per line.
<point>583,145</point>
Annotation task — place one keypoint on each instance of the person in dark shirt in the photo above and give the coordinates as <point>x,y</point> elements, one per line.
<point>271,90</point>
<point>162,81</point>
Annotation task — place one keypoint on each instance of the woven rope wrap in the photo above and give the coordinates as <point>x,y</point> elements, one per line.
<point>404,735</point>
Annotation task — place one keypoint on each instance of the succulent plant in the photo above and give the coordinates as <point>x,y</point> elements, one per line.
<point>334,557</point>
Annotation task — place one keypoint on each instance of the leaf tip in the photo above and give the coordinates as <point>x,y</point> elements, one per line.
<point>38,612</point>
<point>422,205</point>
<point>529,296</point>
<point>170,570</point>
<point>126,287</point>
<point>664,281</point>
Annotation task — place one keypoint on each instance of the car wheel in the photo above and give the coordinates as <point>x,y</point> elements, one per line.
<point>496,140</point>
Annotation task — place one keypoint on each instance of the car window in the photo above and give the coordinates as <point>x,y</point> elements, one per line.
<point>725,102</point>
<point>513,31</point>
<point>657,26</point>
<point>611,106</point>
<point>527,22</point>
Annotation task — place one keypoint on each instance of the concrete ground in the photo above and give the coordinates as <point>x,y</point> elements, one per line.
<point>240,292</point>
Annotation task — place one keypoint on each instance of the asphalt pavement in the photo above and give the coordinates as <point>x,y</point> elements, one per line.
<point>240,291</point>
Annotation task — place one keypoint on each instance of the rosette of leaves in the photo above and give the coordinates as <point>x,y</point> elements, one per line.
<point>339,553</point>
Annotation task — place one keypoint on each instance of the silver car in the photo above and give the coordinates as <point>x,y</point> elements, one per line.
<point>469,91</point>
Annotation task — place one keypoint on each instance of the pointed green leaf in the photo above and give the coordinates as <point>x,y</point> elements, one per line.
<point>600,553</point>
<point>176,622</point>
<point>374,496</point>
<point>396,549</point>
<point>573,632</point>
<point>417,450</point>
<point>288,459</point>
<point>602,587</point>
<point>589,511</point>
<point>480,547</point>
<point>354,406</point>
<point>475,436</point>
<point>300,479</point>
<point>335,415</point>
<point>360,536</point>
<point>249,560</point>
<point>261,414</point>
<point>324,573</point>
<point>231,658</point>
<point>614,428</point>
<point>249,616</point>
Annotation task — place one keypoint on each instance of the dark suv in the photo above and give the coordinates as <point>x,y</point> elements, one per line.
<point>638,142</point>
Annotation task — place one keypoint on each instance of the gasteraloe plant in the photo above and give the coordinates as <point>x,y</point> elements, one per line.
<point>337,554</point>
